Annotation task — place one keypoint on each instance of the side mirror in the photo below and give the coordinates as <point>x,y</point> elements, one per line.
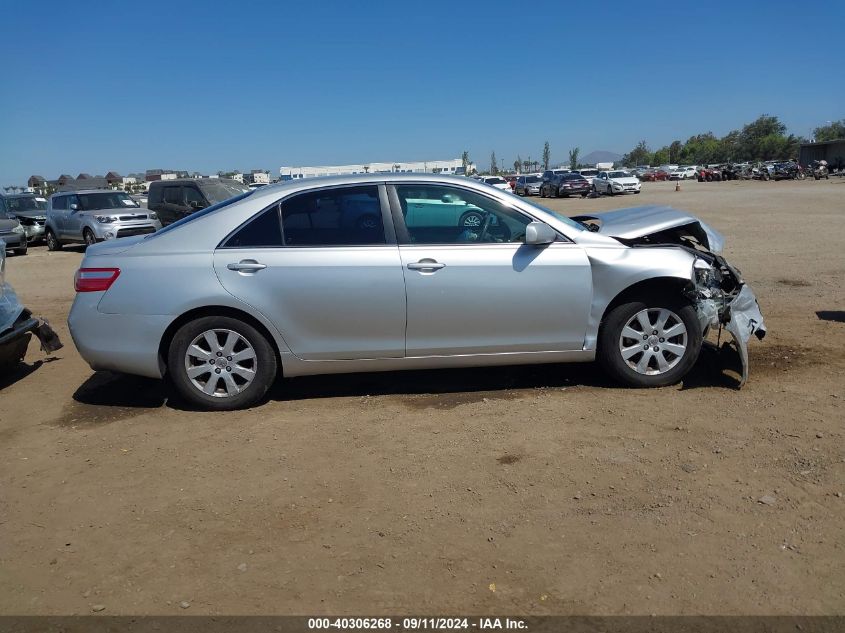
<point>539,233</point>
<point>195,205</point>
<point>74,207</point>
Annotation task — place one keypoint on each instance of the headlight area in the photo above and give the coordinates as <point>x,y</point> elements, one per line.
<point>19,229</point>
<point>723,299</point>
<point>106,219</point>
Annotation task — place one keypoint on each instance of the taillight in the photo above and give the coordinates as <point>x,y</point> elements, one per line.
<point>95,279</point>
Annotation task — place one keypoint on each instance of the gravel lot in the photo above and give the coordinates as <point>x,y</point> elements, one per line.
<point>542,490</point>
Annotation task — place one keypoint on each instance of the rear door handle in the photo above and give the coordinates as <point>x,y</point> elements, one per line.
<point>426,265</point>
<point>246,266</point>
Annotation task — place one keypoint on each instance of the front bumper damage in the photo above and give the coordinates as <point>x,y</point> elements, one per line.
<point>16,324</point>
<point>724,300</point>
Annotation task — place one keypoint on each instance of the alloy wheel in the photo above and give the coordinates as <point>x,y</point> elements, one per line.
<point>653,341</point>
<point>220,363</point>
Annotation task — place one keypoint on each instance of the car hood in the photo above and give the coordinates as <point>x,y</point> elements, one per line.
<point>640,222</point>
<point>627,180</point>
<point>31,213</point>
<point>8,225</point>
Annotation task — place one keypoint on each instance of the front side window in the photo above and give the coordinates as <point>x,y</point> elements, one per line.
<point>345,216</point>
<point>60,203</point>
<point>436,214</point>
<point>173,195</point>
<point>193,198</point>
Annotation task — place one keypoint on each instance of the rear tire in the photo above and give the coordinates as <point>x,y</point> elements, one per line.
<point>681,332</point>
<point>53,243</point>
<point>229,383</point>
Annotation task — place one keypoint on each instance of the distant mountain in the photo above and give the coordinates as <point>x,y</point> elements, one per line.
<point>599,157</point>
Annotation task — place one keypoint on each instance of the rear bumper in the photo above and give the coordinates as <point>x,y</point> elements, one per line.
<point>125,343</point>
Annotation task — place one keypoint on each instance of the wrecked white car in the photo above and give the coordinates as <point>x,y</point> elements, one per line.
<point>17,324</point>
<point>720,295</point>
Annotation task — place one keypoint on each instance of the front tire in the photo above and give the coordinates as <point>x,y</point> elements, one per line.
<point>649,342</point>
<point>53,243</point>
<point>221,363</point>
<point>88,236</point>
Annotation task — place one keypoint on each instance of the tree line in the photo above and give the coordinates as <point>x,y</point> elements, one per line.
<point>760,140</point>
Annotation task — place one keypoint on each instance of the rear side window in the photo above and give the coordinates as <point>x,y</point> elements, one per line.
<point>345,216</point>
<point>264,231</point>
<point>60,203</point>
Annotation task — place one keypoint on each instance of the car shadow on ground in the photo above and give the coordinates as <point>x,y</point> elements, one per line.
<point>129,395</point>
<point>21,371</point>
<point>837,316</point>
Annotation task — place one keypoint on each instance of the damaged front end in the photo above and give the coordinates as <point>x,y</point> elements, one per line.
<point>17,324</point>
<point>717,289</point>
<point>723,299</point>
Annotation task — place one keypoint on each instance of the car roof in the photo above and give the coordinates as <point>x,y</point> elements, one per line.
<point>277,189</point>
<point>73,192</point>
<point>199,181</point>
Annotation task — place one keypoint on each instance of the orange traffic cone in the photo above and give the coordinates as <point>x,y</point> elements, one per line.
<point>677,185</point>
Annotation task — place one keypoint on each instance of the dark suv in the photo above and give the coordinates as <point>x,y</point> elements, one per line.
<point>174,199</point>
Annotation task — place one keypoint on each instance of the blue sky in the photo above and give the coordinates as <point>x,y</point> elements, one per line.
<point>92,86</point>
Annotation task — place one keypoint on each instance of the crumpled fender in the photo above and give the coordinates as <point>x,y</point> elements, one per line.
<point>745,320</point>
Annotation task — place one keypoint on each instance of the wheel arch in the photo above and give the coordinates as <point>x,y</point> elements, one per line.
<point>654,285</point>
<point>214,310</point>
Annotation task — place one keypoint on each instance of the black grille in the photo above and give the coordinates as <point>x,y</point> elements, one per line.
<point>139,231</point>
<point>132,218</point>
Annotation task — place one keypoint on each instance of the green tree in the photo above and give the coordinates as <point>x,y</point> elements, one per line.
<point>573,157</point>
<point>640,155</point>
<point>832,132</point>
<point>517,164</point>
<point>547,155</point>
<point>494,169</point>
<point>675,151</point>
<point>660,157</point>
<point>465,161</point>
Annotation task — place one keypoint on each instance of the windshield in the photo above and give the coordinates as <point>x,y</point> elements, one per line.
<point>589,172</point>
<point>26,203</point>
<point>557,215</point>
<point>201,213</point>
<point>533,179</point>
<point>619,174</point>
<point>220,191</point>
<point>105,200</point>
<point>573,177</point>
<point>494,181</point>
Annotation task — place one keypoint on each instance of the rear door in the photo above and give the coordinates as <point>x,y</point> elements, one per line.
<point>328,276</point>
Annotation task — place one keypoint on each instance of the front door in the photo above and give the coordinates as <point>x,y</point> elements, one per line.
<point>328,276</point>
<point>72,222</point>
<point>479,289</point>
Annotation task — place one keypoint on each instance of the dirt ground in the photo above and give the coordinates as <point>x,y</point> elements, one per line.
<point>543,490</point>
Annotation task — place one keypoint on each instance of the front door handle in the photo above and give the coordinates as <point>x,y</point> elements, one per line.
<point>428,265</point>
<point>247,266</point>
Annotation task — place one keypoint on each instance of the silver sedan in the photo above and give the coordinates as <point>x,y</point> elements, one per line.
<point>385,272</point>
